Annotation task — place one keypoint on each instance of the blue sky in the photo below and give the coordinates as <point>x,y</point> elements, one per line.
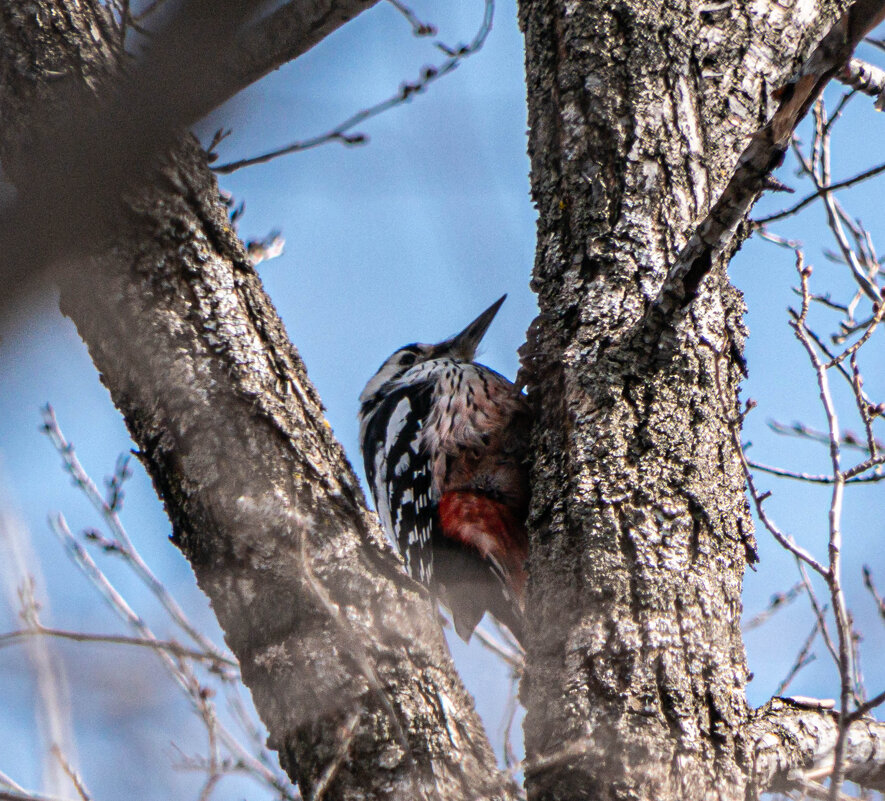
<point>404,239</point>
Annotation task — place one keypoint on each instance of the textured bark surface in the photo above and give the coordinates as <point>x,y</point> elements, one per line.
<point>346,663</point>
<point>638,114</point>
<point>784,739</point>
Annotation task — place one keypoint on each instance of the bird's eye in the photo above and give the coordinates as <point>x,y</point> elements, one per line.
<point>407,359</point>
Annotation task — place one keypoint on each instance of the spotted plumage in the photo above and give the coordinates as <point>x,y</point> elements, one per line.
<point>444,443</point>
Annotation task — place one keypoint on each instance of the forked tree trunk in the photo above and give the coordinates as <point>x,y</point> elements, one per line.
<point>639,113</point>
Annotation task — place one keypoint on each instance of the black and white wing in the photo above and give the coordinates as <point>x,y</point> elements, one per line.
<point>399,474</point>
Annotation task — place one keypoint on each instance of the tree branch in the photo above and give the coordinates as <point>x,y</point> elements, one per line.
<point>72,161</point>
<point>281,37</point>
<point>786,740</point>
<point>866,78</point>
<point>315,607</point>
<point>763,154</point>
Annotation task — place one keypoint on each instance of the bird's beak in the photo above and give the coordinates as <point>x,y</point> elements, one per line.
<point>463,346</point>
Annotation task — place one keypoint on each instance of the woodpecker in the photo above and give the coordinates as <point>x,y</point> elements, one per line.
<point>445,444</point>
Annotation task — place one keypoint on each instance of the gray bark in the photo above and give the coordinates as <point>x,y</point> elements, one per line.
<point>341,651</point>
<point>640,114</point>
<point>786,739</point>
<point>651,127</point>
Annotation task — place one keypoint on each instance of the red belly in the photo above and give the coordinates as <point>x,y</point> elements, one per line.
<point>489,526</point>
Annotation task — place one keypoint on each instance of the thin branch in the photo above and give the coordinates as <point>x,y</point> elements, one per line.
<point>4,779</point>
<point>834,573</point>
<point>178,669</point>
<point>71,773</point>
<point>172,647</point>
<point>785,540</point>
<point>419,28</point>
<point>850,477</point>
<point>855,179</point>
<point>778,601</point>
<point>868,583</point>
<point>511,761</point>
<point>817,168</point>
<point>22,570</point>
<point>341,132</point>
<point>868,413</point>
<point>803,658</point>
<point>843,371</point>
<point>820,613</point>
<point>108,509</point>
<point>869,464</point>
<point>879,311</point>
<point>864,708</point>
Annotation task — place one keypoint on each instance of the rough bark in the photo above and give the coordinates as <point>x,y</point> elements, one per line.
<point>785,740</point>
<point>639,115</point>
<point>204,52</point>
<point>346,663</point>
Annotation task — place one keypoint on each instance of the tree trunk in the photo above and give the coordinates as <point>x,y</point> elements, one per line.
<point>638,114</point>
<point>346,663</point>
<point>652,127</point>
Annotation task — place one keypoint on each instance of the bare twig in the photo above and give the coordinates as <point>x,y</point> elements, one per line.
<point>778,601</point>
<point>174,656</point>
<point>22,576</point>
<point>122,544</point>
<point>178,668</point>
<point>785,540</point>
<point>855,179</point>
<point>820,614</point>
<point>852,349</point>
<point>869,464</point>
<point>834,573</point>
<point>71,773</point>
<point>419,28</point>
<point>803,658</point>
<point>868,583</point>
<point>4,779</point>
<point>818,169</point>
<point>407,90</point>
<point>865,708</point>
<point>170,646</point>
<point>867,411</point>
<point>842,370</point>
<point>510,710</point>
<point>850,477</point>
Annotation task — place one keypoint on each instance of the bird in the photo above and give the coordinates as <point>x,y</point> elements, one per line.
<point>445,445</point>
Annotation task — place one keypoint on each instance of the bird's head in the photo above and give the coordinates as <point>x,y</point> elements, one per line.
<point>461,348</point>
